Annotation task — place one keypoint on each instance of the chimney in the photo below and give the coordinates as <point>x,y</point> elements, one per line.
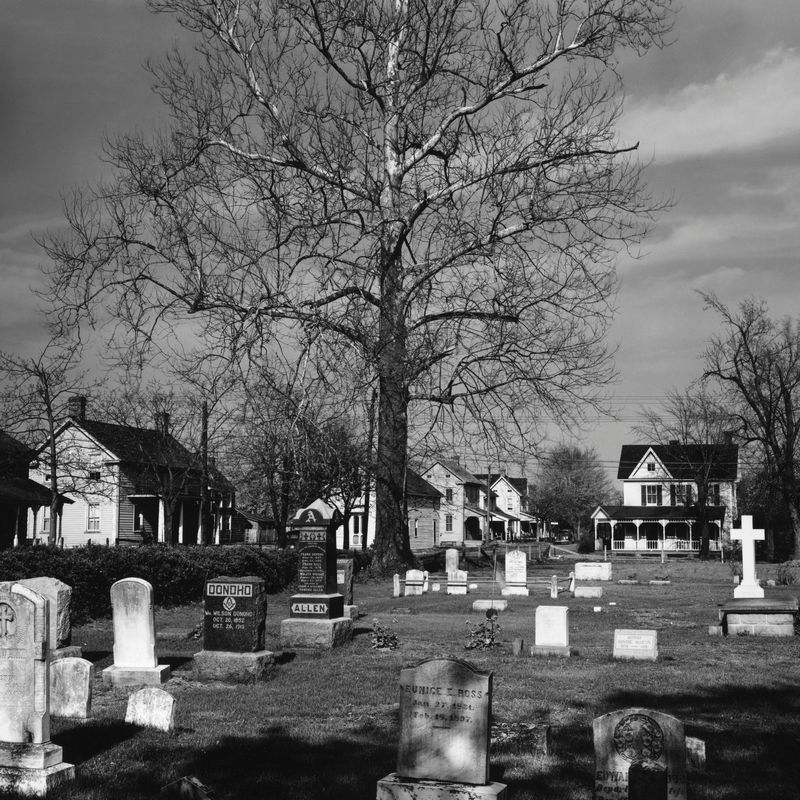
<point>674,442</point>
<point>162,422</point>
<point>76,408</point>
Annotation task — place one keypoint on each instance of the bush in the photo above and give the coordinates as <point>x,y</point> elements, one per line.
<point>788,574</point>
<point>178,574</point>
<point>586,542</point>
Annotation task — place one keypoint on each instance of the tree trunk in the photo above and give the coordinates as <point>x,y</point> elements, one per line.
<point>392,548</point>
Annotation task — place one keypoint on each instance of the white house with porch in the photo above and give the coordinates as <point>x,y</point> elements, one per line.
<point>660,508</point>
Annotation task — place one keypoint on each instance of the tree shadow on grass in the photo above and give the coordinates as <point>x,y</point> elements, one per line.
<point>88,739</point>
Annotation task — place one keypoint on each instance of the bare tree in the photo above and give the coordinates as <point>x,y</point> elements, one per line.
<point>571,483</point>
<point>696,430</point>
<point>437,187</point>
<point>756,363</point>
<point>34,396</point>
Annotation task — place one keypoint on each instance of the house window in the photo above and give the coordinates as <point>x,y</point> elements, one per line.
<point>651,494</point>
<point>435,529</point>
<point>681,494</point>
<point>356,525</point>
<point>448,523</point>
<point>448,495</point>
<point>416,528</point>
<point>509,502</point>
<point>45,520</point>
<point>93,517</point>
<point>713,494</point>
<point>94,476</point>
<point>651,466</point>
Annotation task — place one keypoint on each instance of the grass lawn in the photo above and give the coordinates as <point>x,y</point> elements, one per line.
<point>326,726</point>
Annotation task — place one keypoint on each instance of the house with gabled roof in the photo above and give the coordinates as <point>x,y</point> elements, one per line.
<point>510,516</point>
<point>462,510</point>
<point>19,495</point>
<point>422,501</point>
<point>670,492</point>
<point>132,485</point>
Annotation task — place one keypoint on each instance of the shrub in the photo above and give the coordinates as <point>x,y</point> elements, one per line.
<point>586,542</point>
<point>178,574</point>
<point>788,574</point>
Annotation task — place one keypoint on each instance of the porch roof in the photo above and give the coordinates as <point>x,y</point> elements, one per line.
<point>649,513</point>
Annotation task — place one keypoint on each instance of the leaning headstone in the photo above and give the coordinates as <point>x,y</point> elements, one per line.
<point>71,687</point>
<point>551,632</point>
<point>135,661</point>
<point>30,763</point>
<point>748,536</point>
<point>451,559</point>
<point>395,585</point>
<point>636,645</point>
<point>316,613</point>
<point>234,620</point>
<point>414,582</point>
<point>186,788</point>
<point>445,718</point>
<point>593,571</point>
<point>457,582</point>
<point>59,597</point>
<point>151,707</point>
<point>637,736</point>
<point>516,573</point>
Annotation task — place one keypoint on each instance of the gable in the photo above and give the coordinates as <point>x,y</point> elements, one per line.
<point>682,462</point>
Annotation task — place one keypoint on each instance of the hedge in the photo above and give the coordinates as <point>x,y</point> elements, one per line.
<point>178,574</point>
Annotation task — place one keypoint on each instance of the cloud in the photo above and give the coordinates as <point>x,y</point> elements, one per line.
<point>742,111</point>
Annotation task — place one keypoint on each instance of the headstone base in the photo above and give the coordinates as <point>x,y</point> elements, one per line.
<point>35,782</point>
<point>70,651</point>
<point>316,606</point>
<point>30,756</point>
<point>486,605</point>
<point>136,676</point>
<point>522,591</point>
<point>588,591</point>
<point>393,787</point>
<point>315,634</point>
<point>551,650</point>
<point>748,590</point>
<point>351,611</point>
<point>230,667</point>
<point>759,617</point>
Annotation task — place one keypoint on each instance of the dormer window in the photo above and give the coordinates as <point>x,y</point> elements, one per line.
<point>651,466</point>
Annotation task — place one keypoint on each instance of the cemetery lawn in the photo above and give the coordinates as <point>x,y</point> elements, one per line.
<point>326,725</point>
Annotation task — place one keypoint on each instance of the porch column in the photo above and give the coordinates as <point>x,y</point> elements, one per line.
<point>690,526</point>
<point>34,530</point>
<point>180,523</point>
<point>663,523</point>
<point>637,523</point>
<point>217,523</point>
<point>160,538</point>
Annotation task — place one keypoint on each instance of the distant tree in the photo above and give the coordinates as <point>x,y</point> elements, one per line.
<point>436,187</point>
<point>755,362</point>
<point>34,396</point>
<point>571,483</point>
<point>700,428</point>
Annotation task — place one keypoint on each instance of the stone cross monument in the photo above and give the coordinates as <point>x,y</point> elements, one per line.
<point>748,536</point>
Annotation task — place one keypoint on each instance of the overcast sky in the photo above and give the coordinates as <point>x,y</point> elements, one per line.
<point>718,112</point>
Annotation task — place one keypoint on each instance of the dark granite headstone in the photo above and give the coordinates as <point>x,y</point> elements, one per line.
<point>445,717</point>
<point>317,596</point>
<point>235,614</point>
<point>638,736</point>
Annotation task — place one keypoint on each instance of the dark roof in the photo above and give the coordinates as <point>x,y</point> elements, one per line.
<point>417,486</point>
<point>520,484</point>
<point>14,455</point>
<point>684,461</point>
<point>24,490</point>
<point>647,513</point>
<point>140,445</point>
<point>464,475</point>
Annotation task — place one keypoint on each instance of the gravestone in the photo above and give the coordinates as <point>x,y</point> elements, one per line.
<point>316,613</point>
<point>593,571</point>
<point>344,579</point>
<point>395,585</point>
<point>592,592</point>
<point>135,661</point>
<point>151,707</point>
<point>451,559</point>
<point>748,536</point>
<point>638,736</point>
<point>29,762</point>
<point>551,632</point>
<point>234,619</point>
<point>445,719</point>
<point>71,681</point>
<point>414,583</point>
<point>516,573</point>
<point>636,645</point>
<point>59,597</point>
<point>457,582</point>
<point>425,579</point>
<point>554,587</point>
